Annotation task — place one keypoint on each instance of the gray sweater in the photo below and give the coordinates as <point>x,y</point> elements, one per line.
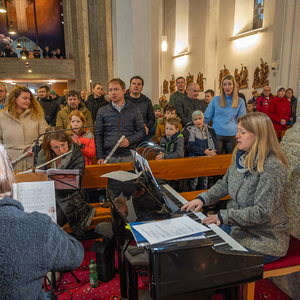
<point>255,211</point>
<point>31,245</point>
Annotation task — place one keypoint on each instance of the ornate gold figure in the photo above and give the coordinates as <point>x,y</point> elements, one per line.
<point>172,85</point>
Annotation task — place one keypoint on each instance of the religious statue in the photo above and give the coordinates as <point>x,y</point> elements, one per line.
<point>237,76</point>
<point>189,79</point>
<point>165,87</point>
<point>261,75</point>
<point>224,72</point>
<point>172,85</point>
<point>243,77</point>
<point>200,81</point>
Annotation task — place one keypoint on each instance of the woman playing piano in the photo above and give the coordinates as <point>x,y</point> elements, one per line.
<point>71,206</point>
<point>255,180</point>
<point>21,123</point>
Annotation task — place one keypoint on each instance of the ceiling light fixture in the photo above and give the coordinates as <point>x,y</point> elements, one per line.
<point>2,8</point>
<point>19,45</point>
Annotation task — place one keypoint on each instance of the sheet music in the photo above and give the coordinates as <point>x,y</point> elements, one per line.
<point>36,196</point>
<point>171,229</point>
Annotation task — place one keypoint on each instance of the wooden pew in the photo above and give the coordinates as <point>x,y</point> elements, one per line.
<point>168,169</point>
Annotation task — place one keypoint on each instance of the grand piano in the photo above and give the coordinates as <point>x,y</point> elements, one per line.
<point>191,269</point>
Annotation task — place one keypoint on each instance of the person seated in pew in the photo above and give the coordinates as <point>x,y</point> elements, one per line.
<point>31,244</point>
<point>172,142</point>
<point>255,180</point>
<point>71,206</point>
<point>202,141</point>
<point>82,137</point>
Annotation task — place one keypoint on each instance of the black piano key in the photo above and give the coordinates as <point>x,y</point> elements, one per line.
<point>222,248</point>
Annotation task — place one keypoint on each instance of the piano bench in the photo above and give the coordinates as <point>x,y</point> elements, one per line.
<point>286,265</point>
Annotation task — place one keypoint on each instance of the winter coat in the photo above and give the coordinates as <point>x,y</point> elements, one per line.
<point>94,104</point>
<point>144,104</point>
<point>176,96</point>
<point>263,103</point>
<point>197,145</point>
<point>32,245</point>
<point>87,146</point>
<point>128,122</point>
<point>20,134</point>
<point>279,108</point>
<point>255,210</point>
<point>160,128</point>
<point>62,118</point>
<point>174,146</point>
<point>51,108</point>
<point>187,106</point>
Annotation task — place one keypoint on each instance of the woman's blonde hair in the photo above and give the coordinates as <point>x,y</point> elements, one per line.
<point>266,141</point>
<point>6,175</point>
<point>235,97</point>
<point>79,114</point>
<point>37,111</point>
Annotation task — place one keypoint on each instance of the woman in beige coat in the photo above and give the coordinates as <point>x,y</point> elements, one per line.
<point>21,122</point>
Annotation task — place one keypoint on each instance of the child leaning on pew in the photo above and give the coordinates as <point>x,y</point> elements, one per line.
<point>169,112</point>
<point>172,142</point>
<point>202,141</point>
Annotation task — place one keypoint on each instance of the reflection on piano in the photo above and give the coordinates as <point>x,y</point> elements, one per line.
<point>176,269</point>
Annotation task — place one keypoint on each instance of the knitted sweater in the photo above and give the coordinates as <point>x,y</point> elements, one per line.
<point>224,118</point>
<point>31,245</point>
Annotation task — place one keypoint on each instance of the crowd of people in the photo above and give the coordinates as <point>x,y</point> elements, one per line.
<point>90,125</point>
<point>9,51</point>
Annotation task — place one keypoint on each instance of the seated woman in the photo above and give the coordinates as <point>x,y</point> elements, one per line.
<point>71,206</point>
<point>21,123</point>
<point>82,137</point>
<point>255,181</point>
<point>32,244</point>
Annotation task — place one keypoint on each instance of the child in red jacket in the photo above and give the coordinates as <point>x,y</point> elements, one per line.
<point>82,137</point>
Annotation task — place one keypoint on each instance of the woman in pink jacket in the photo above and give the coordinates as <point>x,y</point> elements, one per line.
<point>82,137</point>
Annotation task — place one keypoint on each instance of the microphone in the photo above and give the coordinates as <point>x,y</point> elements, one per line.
<point>35,148</point>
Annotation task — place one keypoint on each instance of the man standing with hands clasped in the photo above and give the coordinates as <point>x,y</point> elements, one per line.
<point>117,119</point>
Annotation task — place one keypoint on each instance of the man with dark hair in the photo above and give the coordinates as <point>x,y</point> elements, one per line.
<point>8,51</point>
<point>73,103</point>
<point>24,53</point>
<point>3,93</point>
<point>144,104</point>
<point>179,95</point>
<point>96,100</point>
<point>47,53</point>
<point>50,106</point>
<point>124,119</point>
<point>189,104</point>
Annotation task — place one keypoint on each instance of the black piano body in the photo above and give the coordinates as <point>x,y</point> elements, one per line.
<point>176,269</point>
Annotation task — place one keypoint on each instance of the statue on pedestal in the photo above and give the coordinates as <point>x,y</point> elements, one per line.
<point>189,79</point>
<point>165,87</point>
<point>172,85</point>
<point>261,75</point>
<point>200,81</point>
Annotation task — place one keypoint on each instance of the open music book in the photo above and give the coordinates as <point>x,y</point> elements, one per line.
<point>36,196</point>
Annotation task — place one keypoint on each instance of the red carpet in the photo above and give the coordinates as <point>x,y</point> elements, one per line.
<point>264,289</point>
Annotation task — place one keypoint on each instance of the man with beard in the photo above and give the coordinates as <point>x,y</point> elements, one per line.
<point>73,103</point>
<point>50,106</point>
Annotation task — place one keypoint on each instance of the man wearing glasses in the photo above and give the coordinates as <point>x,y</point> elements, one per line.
<point>262,102</point>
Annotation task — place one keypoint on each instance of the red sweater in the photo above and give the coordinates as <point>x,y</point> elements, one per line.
<point>87,147</point>
<point>279,108</point>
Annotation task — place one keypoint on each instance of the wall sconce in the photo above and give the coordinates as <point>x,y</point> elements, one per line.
<point>164,44</point>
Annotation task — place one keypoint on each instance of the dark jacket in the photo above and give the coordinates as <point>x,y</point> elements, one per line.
<point>128,122</point>
<point>197,145</point>
<point>51,108</point>
<point>293,115</point>
<point>174,146</point>
<point>145,106</point>
<point>32,245</point>
<point>93,105</point>
<point>25,53</point>
<point>187,106</point>
<point>47,54</point>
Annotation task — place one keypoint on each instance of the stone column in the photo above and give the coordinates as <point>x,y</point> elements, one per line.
<point>291,147</point>
<point>77,40</point>
<point>133,33</point>
<point>100,40</point>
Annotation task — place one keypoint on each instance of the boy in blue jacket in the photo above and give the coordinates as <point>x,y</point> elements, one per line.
<point>202,141</point>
